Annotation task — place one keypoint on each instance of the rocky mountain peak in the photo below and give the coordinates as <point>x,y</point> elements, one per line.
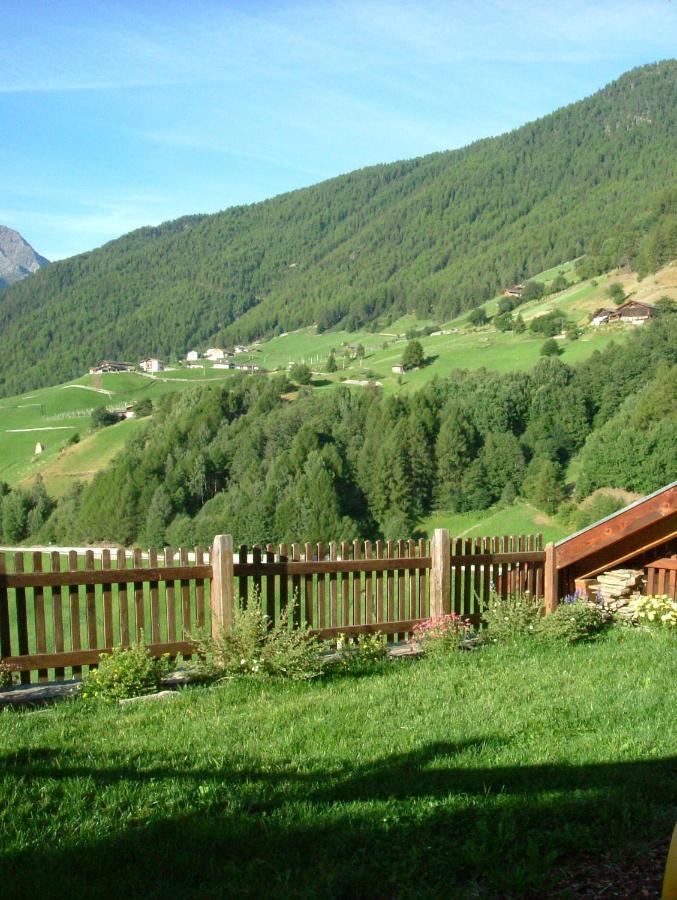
<point>17,258</point>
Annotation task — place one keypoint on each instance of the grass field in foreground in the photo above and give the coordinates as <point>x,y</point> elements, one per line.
<point>482,774</point>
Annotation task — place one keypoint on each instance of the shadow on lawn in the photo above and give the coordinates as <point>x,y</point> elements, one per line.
<point>410,825</point>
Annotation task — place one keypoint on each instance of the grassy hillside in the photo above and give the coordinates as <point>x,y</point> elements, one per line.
<point>434,236</point>
<point>53,415</point>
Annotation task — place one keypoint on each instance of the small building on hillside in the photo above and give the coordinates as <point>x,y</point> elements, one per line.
<point>215,354</point>
<point>398,370</point>
<point>151,365</point>
<point>515,290</point>
<point>635,313</point>
<point>106,367</point>
<point>601,317</point>
<point>191,356</point>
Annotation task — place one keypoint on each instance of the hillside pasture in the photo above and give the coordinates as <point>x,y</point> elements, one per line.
<point>520,518</point>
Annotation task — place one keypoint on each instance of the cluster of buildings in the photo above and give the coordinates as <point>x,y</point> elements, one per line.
<point>146,365</point>
<point>220,359</point>
<point>224,359</point>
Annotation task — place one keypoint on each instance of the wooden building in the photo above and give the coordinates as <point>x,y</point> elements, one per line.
<point>634,537</point>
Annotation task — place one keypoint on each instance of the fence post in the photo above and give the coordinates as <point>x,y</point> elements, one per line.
<point>440,573</point>
<point>551,579</point>
<point>222,583</point>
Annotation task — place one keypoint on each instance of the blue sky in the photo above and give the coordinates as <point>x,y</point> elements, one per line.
<point>120,114</point>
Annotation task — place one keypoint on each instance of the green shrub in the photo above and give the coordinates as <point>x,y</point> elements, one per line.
<point>252,646</point>
<point>572,623</point>
<point>125,672</point>
<point>361,651</point>
<point>507,618</point>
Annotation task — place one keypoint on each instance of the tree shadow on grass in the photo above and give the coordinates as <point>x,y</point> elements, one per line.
<point>418,824</point>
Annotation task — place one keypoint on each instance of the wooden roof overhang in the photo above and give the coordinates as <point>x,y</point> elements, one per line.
<point>636,529</point>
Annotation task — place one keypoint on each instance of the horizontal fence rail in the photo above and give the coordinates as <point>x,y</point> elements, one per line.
<point>59,612</point>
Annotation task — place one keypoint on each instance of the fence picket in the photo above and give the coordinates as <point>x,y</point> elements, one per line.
<point>107,592</point>
<point>74,611</point>
<point>297,600</point>
<point>333,588</point>
<point>357,585</point>
<point>422,590</point>
<point>5,631</point>
<point>368,587</point>
<point>122,601</point>
<point>139,610</point>
<point>170,597</point>
<point>270,585</point>
<point>199,592</point>
<point>90,604</point>
<point>345,585</point>
<point>256,580</point>
<point>321,601</point>
<point>57,614</point>
<point>308,589</point>
<point>390,584</point>
<point>185,600</point>
<point>154,591</point>
<point>242,580</point>
<point>39,613</point>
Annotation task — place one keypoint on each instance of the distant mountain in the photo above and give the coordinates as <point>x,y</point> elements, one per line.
<point>434,235</point>
<point>17,258</point>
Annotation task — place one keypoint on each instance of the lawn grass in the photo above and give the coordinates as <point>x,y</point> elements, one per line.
<point>481,774</point>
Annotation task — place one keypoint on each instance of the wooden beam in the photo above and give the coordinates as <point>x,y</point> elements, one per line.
<point>661,507</point>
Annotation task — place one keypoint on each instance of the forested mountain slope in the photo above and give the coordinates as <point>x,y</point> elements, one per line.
<point>436,235</point>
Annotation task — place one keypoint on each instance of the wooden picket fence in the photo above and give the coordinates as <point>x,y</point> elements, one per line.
<point>58,615</point>
<point>661,577</point>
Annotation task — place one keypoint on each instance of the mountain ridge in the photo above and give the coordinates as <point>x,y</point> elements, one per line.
<point>436,235</point>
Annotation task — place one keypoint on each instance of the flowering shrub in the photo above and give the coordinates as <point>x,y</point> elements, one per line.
<point>441,634</point>
<point>573,622</point>
<point>255,647</point>
<point>6,675</point>
<point>365,649</point>
<point>658,610</point>
<point>125,672</point>
<point>507,618</point>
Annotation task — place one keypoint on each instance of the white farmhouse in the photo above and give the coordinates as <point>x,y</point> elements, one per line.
<point>151,365</point>
<point>191,356</point>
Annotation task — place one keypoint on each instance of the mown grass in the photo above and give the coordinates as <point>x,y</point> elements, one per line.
<point>482,774</point>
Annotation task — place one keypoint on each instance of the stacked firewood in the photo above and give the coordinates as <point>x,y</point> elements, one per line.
<point>619,590</point>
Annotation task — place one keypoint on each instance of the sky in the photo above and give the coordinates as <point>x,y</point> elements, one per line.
<point>122,114</point>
